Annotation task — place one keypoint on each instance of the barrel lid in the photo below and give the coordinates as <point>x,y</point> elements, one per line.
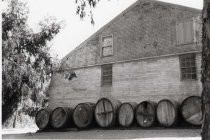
<point>125,114</point>
<point>42,118</point>
<point>146,113</point>
<point>161,115</point>
<point>82,115</point>
<point>192,114</point>
<point>104,112</point>
<point>59,117</point>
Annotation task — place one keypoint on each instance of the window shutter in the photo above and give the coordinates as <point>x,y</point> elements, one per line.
<point>188,32</point>
<point>180,33</point>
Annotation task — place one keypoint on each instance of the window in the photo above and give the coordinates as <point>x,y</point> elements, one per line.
<point>107,45</point>
<point>106,75</point>
<point>185,32</point>
<point>188,67</point>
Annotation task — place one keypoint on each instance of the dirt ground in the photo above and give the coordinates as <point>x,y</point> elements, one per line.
<point>108,134</point>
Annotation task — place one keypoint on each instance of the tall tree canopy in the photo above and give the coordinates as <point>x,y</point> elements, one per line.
<point>26,62</point>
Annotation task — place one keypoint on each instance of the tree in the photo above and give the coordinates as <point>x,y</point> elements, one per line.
<point>206,70</point>
<point>26,62</point>
<point>82,6</point>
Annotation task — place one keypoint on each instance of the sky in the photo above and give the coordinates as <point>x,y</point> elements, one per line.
<point>76,30</point>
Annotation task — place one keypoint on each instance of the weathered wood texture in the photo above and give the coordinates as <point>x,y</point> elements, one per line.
<point>191,110</point>
<point>106,112</point>
<point>146,113</point>
<point>83,115</point>
<point>126,114</point>
<point>206,70</point>
<point>167,112</point>
<point>61,117</point>
<point>42,118</point>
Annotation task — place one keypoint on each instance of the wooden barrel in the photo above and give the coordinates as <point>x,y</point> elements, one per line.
<point>167,112</point>
<point>191,110</point>
<point>146,113</point>
<point>126,114</point>
<point>83,114</point>
<point>61,117</point>
<point>42,118</point>
<point>106,112</point>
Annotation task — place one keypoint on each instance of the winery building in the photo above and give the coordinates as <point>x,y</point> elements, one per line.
<point>151,51</point>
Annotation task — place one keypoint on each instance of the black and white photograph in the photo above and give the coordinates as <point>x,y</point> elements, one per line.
<point>105,69</point>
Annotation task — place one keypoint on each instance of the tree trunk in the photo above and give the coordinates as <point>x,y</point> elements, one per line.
<point>206,71</point>
<point>15,118</point>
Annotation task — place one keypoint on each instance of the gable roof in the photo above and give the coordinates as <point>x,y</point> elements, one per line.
<point>181,7</point>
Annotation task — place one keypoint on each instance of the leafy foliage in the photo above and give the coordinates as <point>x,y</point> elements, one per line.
<point>26,62</point>
<point>83,5</point>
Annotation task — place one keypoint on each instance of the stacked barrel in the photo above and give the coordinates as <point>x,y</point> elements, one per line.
<point>109,112</point>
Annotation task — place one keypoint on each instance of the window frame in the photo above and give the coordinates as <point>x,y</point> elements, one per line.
<point>193,22</point>
<point>108,75</point>
<point>105,36</point>
<point>192,67</point>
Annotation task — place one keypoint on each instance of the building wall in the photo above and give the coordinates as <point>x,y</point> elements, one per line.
<point>84,88</point>
<point>153,79</point>
<point>146,29</point>
<point>145,61</point>
<point>147,79</point>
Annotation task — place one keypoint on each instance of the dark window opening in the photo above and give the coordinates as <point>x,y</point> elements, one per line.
<point>188,66</point>
<point>106,75</point>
